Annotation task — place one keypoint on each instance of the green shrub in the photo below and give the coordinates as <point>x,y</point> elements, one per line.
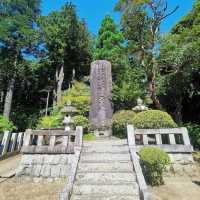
<point>89,137</point>
<point>154,161</point>
<point>194,133</point>
<point>80,120</point>
<point>5,124</point>
<point>154,119</point>
<point>120,121</point>
<point>53,121</point>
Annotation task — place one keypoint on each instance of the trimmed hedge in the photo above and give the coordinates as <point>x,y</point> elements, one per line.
<point>154,162</point>
<point>153,119</point>
<point>120,120</point>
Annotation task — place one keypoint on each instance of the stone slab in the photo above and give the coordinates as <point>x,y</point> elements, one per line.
<point>105,157</point>
<point>105,178</point>
<point>111,197</point>
<point>125,166</point>
<point>106,189</point>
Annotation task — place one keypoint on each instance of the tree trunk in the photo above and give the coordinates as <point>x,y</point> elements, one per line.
<point>8,98</point>
<point>178,111</point>
<point>59,76</point>
<point>152,91</point>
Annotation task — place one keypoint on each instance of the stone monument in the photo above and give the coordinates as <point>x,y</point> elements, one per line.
<point>101,98</point>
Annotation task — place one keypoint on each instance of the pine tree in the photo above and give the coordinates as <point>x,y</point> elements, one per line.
<point>110,45</point>
<point>17,38</point>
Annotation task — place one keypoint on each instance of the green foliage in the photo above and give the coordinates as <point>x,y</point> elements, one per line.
<point>5,124</point>
<point>194,133</point>
<point>154,119</point>
<point>155,161</point>
<point>179,53</point>
<point>54,121</point>
<point>89,137</point>
<point>109,45</point>
<point>128,87</point>
<point>67,42</point>
<point>79,96</point>
<point>80,120</point>
<point>120,120</point>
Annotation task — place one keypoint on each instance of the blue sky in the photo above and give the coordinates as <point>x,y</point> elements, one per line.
<point>93,11</point>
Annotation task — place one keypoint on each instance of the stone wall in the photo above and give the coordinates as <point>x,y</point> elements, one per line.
<point>46,166</point>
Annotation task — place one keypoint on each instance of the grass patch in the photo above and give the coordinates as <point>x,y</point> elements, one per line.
<point>89,137</point>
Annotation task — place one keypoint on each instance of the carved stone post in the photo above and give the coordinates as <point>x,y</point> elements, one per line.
<point>101,97</point>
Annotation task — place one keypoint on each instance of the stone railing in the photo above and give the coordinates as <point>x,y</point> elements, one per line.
<point>144,193</point>
<point>67,191</point>
<point>50,153</point>
<point>10,144</point>
<point>50,141</point>
<point>173,140</point>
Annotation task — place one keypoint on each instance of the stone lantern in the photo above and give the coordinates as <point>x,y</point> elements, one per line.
<point>140,106</point>
<point>68,111</point>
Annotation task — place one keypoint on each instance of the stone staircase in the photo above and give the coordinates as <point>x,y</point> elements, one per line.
<point>105,172</point>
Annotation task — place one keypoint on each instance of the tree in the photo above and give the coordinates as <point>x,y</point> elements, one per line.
<point>17,38</point>
<point>141,20</point>
<point>67,46</point>
<point>179,58</point>
<point>110,45</point>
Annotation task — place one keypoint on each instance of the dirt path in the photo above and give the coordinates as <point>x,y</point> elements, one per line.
<point>8,166</point>
<point>178,188</point>
<point>27,189</point>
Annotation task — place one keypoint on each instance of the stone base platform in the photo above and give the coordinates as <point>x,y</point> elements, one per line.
<point>103,133</point>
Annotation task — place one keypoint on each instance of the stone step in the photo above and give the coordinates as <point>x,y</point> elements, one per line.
<point>105,178</point>
<point>105,142</point>
<point>106,149</point>
<point>102,190</point>
<point>94,157</point>
<point>125,166</point>
<point>111,197</point>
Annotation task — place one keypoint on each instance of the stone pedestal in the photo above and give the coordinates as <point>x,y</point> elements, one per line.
<point>103,133</point>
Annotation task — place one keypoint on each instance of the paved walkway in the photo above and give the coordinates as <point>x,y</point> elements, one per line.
<point>105,172</point>
<point>8,166</point>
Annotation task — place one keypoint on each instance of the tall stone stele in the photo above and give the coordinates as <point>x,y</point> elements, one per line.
<point>101,98</point>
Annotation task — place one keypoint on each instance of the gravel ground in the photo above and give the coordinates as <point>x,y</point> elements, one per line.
<point>29,189</point>
<point>178,188</point>
<point>9,164</point>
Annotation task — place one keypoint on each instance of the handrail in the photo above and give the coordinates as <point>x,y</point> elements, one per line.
<point>53,141</point>
<point>66,194</point>
<point>144,192</point>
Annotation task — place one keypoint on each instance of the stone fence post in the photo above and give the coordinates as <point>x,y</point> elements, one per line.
<point>79,137</point>
<point>19,140</point>
<point>13,141</point>
<point>5,142</point>
<point>130,135</point>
